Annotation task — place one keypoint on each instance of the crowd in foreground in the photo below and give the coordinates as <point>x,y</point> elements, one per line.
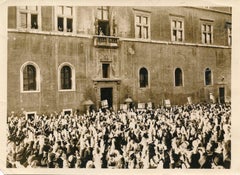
<point>190,136</point>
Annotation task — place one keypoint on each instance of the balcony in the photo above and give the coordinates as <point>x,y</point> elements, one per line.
<point>106,41</point>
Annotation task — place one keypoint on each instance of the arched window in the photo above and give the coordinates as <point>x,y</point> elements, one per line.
<point>208,76</point>
<point>66,77</point>
<point>178,77</point>
<point>29,77</point>
<point>143,77</point>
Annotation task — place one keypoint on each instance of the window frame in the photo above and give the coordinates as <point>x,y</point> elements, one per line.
<point>73,77</point>
<point>206,33</point>
<point>229,34</point>
<point>108,69</point>
<point>205,76</point>
<point>142,14</point>
<point>177,19</point>
<point>28,13</point>
<point>66,77</point>
<point>65,18</point>
<point>174,74</point>
<point>101,10</point>
<point>37,77</point>
<point>139,78</point>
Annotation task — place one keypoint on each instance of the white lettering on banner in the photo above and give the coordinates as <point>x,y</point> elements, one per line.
<point>189,99</point>
<point>167,103</point>
<point>141,105</point>
<point>104,104</point>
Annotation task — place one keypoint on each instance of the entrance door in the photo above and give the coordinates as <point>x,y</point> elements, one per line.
<point>222,94</point>
<point>106,94</point>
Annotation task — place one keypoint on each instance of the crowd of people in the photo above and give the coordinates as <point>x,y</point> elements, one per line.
<point>189,136</point>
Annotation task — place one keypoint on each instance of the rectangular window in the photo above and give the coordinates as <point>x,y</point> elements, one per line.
<point>142,25</point>
<point>145,32</point>
<point>68,11</point>
<point>28,17</point>
<point>103,13</point>
<point>208,77</point>
<point>23,20</point>
<point>65,19</point>
<point>177,30</point>
<point>34,21</point>
<point>69,25</point>
<point>60,24</point>
<point>105,70</point>
<point>207,34</point>
<point>138,19</point>
<point>138,32</point>
<point>60,10</point>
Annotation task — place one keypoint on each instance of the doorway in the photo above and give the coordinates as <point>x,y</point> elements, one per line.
<point>222,95</point>
<point>106,94</point>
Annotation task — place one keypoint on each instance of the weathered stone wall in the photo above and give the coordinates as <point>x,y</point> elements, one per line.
<point>158,55</point>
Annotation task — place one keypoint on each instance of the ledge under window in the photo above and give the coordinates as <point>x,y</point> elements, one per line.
<point>66,90</point>
<point>25,92</point>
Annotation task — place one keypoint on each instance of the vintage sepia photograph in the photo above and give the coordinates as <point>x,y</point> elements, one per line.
<point>118,87</point>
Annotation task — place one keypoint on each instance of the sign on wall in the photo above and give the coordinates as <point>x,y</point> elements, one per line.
<point>189,99</point>
<point>104,104</point>
<point>141,105</point>
<point>167,103</point>
<point>123,107</point>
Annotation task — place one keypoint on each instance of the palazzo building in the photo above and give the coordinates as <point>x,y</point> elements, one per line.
<point>59,57</point>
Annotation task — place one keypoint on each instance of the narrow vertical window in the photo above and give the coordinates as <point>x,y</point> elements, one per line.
<point>229,33</point>
<point>29,78</point>
<point>178,77</point>
<point>143,77</point>
<point>60,24</point>
<point>23,20</point>
<point>105,71</point>
<point>69,25</point>
<point>34,21</point>
<point>66,77</point>
<point>208,77</point>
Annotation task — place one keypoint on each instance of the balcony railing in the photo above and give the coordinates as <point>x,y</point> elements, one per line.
<point>106,41</point>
